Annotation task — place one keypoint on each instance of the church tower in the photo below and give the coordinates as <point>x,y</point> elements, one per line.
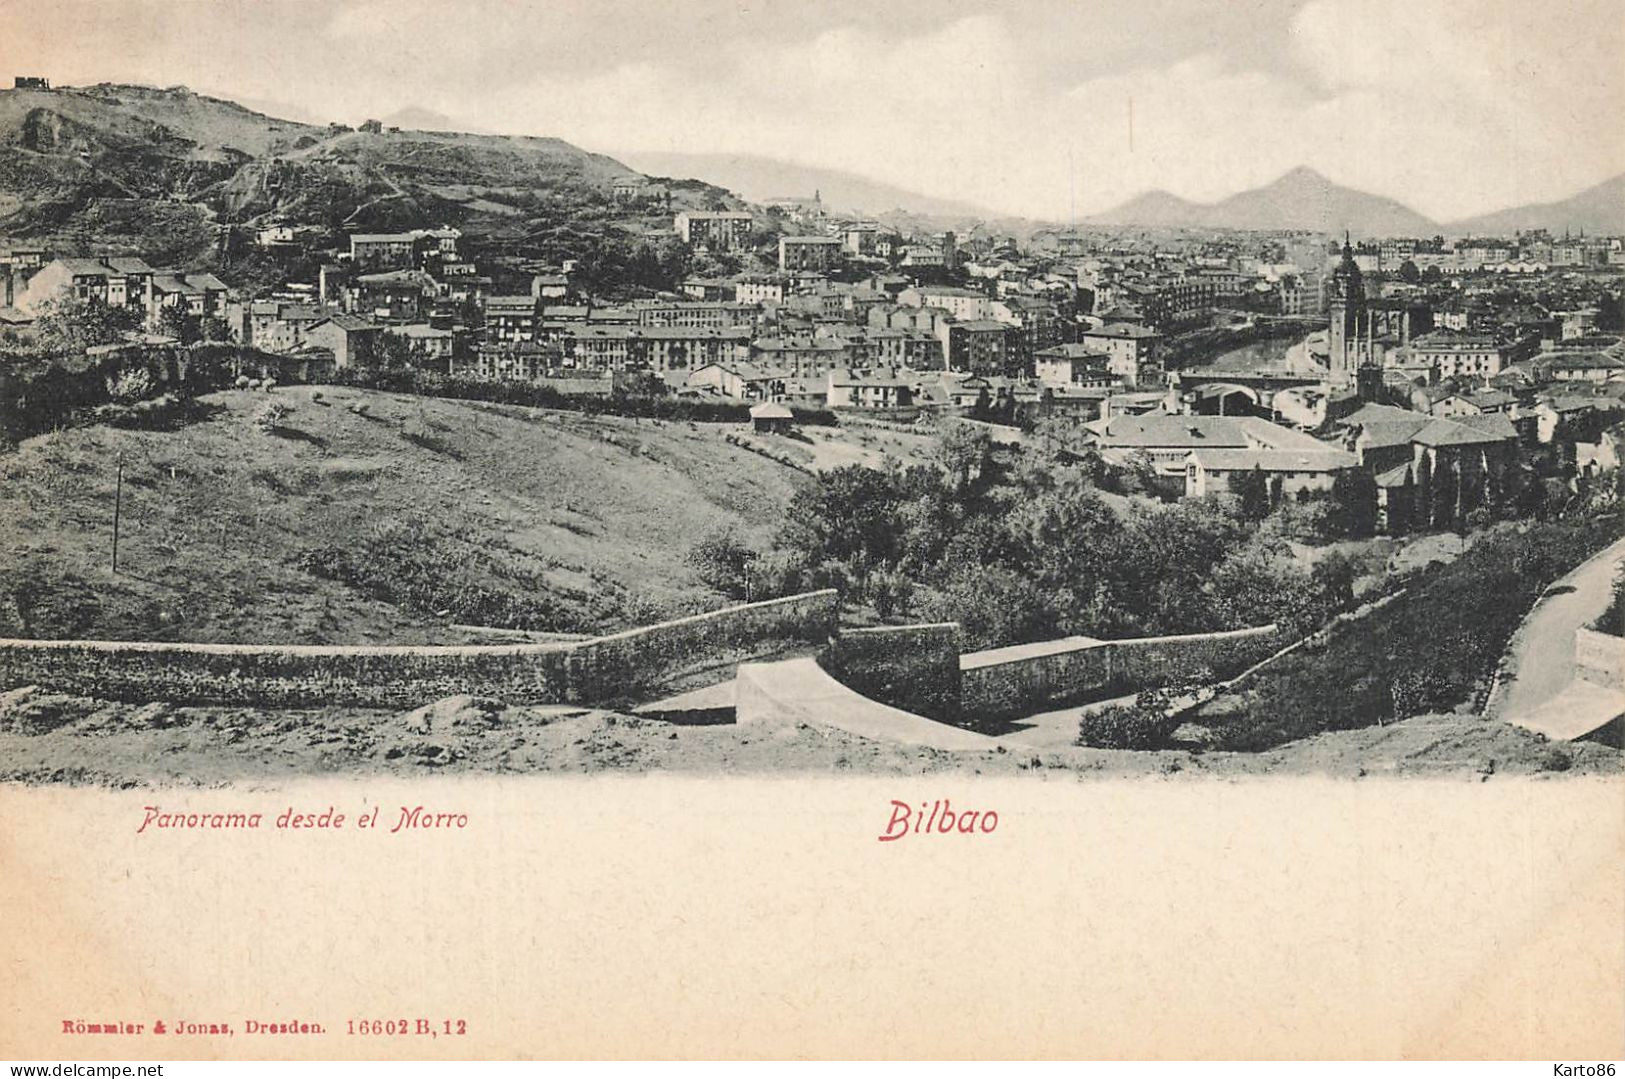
<point>1345,303</point>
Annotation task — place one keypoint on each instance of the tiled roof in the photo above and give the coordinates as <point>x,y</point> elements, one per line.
<point>347,323</point>
<point>1443,432</point>
<point>128,265</point>
<point>84,267</point>
<point>1492,423</point>
<point>1227,460</point>
<point>1122,329</point>
<point>1219,432</point>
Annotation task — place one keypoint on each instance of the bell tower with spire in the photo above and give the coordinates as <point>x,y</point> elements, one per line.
<point>1345,302</point>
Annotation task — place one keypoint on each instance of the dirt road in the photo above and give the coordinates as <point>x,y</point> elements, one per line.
<point>1541,654</point>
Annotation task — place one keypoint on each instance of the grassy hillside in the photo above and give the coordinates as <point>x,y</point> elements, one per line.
<point>333,526</point>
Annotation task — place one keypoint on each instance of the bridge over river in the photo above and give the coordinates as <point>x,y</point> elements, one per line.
<point>1256,371</point>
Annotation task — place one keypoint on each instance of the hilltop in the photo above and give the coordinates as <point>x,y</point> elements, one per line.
<point>163,170</point>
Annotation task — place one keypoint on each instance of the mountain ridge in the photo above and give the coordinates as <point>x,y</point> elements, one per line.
<point>1305,199</point>
<point>1598,209</point>
<point>1299,199</point>
<point>172,173</point>
<point>756,178</point>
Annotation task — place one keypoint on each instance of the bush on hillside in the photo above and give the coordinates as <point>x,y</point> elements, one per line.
<point>1426,652</point>
<point>723,563</point>
<point>407,564</point>
<point>1144,723</point>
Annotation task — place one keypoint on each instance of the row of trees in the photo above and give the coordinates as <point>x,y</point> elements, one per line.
<point>69,325</point>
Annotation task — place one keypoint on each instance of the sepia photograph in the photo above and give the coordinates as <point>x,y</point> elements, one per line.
<point>945,432</point>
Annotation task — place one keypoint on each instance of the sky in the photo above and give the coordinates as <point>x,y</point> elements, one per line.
<point>1044,108</point>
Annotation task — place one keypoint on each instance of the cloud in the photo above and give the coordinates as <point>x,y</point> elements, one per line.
<point>1443,106</point>
<point>1452,106</point>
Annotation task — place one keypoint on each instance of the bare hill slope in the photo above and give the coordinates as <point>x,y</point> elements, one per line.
<point>384,527</point>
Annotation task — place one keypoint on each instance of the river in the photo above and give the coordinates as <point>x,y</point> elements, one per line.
<point>1280,353</point>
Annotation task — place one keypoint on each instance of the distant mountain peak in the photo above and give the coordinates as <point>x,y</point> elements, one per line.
<point>1302,176</point>
<point>1301,198</point>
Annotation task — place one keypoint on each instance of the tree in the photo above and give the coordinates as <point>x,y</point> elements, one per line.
<point>963,450</point>
<point>215,328</point>
<point>1422,500</point>
<point>1065,536</point>
<point>993,606</point>
<point>1333,579</point>
<point>393,352</point>
<point>1258,584</point>
<point>1162,563</point>
<point>1446,507</point>
<point>179,323</point>
<point>69,325</point>
<point>1136,476</point>
<point>1408,272</point>
<point>1354,503</point>
<point>723,563</point>
<point>1253,490</point>
<point>849,515</point>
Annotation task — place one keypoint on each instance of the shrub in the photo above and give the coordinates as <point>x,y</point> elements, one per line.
<point>407,564</point>
<point>1148,722</point>
<point>1122,726</point>
<point>270,417</point>
<point>723,563</point>
<point>1141,724</point>
<point>130,385</point>
<point>892,593</point>
<point>1555,759</point>
<point>1425,652</point>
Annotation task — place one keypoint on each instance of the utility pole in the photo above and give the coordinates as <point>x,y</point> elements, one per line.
<point>118,505</point>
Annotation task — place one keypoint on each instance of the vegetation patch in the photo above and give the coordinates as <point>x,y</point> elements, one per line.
<point>1428,652</point>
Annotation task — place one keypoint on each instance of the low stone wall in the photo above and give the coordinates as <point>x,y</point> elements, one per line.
<point>915,668</point>
<point>1009,682</point>
<point>1599,658</point>
<point>1158,661</point>
<point>600,669</point>
<point>1005,683</point>
<point>617,667</point>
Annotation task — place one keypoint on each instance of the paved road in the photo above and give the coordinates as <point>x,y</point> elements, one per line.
<point>1541,691</point>
<point>783,693</point>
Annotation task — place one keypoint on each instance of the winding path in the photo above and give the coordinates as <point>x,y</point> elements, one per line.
<point>1542,691</point>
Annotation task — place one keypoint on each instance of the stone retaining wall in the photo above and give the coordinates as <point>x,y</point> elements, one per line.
<point>1022,685</point>
<point>1142,662</point>
<point>1599,658</point>
<point>597,670</point>
<point>915,668</point>
<point>1052,677</point>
